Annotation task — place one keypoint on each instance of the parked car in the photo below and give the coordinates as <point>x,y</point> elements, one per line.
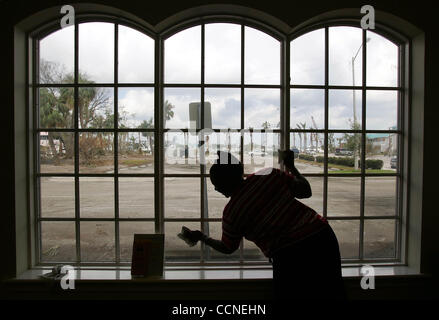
<point>343,152</point>
<point>296,152</point>
<point>394,162</point>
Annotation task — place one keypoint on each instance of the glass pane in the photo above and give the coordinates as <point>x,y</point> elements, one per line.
<point>56,152</point>
<point>55,108</point>
<point>380,196</point>
<point>182,198</point>
<point>136,108</point>
<point>345,56</point>
<point>344,152</point>
<point>126,236</point>
<point>57,56</point>
<point>175,248</point>
<point>260,151</point>
<point>216,201</point>
<point>96,52</point>
<point>58,241</point>
<point>381,110</point>
<point>136,152</point>
<point>97,241</point>
<point>347,233</point>
<point>96,108</point>
<point>316,200</point>
<point>215,232</point>
<point>182,154</point>
<point>308,149</point>
<point>96,197</point>
<point>262,108</point>
<point>57,196</point>
<point>379,239</point>
<point>383,146</point>
<point>262,58</point>
<point>382,61</point>
<point>183,57</point>
<point>177,102</point>
<point>344,196</point>
<point>227,141</point>
<point>136,197</point>
<point>308,58</point>
<point>222,53</point>
<point>307,109</point>
<point>252,252</point>
<point>136,56</point>
<point>225,107</point>
<point>96,153</point>
<point>343,112</point>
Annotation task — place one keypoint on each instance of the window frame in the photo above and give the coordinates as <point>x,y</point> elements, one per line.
<point>284,130</point>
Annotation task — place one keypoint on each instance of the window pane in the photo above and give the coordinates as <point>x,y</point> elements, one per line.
<point>182,198</point>
<point>182,154</point>
<point>57,196</point>
<point>58,241</point>
<point>262,108</point>
<point>215,232</point>
<point>308,58</point>
<point>177,101</point>
<point>55,107</point>
<point>260,151</point>
<point>56,152</point>
<point>344,152</point>
<point>136,197</point>
<point>262,58</point>
<point>381,110</point>
<point>344,196</point>
<point>175,248</point>
<point>379,239</point>
<point>126,236</point>
<point>96,108</point>
<point>384,147</point>
<point>183,57</point>
<point>307,109</point>
<point>96,52</point>
<point>136,56</point>
<point>227,141</point>
<point>96,197</point>
<point>347,233</point>
<point>223,53</point>
<point>97,241</point>
<point>308,149</point>
<point>316,201</point>
<point>96,152</point>
<point>136,152</point>
<point>343,113</point>
<point>225,107</point>
<point>380,196</point>
<point>382,61</point>
<point>136,108</point>
<point>345,56</point>
<point>57,56</point>
<point>252,252</point>
<point>216,201</point>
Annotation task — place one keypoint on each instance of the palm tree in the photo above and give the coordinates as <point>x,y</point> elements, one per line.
<point>303,126</point>
<point>300,137</point>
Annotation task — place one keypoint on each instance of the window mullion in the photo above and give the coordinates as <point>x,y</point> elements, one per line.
<point>116,142</point>
<point>76,127</point>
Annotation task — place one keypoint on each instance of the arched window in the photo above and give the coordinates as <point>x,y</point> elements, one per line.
<point>128,123</point>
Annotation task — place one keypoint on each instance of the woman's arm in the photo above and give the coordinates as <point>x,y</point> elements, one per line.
<point>218,245</point>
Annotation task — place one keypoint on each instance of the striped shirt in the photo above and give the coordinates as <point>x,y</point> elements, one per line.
<point>263,210</point>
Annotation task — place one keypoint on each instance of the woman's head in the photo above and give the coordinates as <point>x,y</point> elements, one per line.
<point>226,174</point>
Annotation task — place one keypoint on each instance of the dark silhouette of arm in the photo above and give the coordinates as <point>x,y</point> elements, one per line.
<point>218,245</point>
<point>299,186</point>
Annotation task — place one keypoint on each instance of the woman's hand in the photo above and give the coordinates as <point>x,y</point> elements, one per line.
<point>287,157</point>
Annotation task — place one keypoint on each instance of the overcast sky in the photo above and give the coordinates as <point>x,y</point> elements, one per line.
<point>223,66</point>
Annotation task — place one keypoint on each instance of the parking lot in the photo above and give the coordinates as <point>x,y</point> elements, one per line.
<point>182,200</point>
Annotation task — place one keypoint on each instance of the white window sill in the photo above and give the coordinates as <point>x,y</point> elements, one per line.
<point>203,273</point>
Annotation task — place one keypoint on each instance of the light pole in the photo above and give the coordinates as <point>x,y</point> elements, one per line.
<point>354,105</point>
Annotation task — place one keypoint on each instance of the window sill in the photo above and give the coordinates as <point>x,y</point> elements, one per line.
<point>204,273</point>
